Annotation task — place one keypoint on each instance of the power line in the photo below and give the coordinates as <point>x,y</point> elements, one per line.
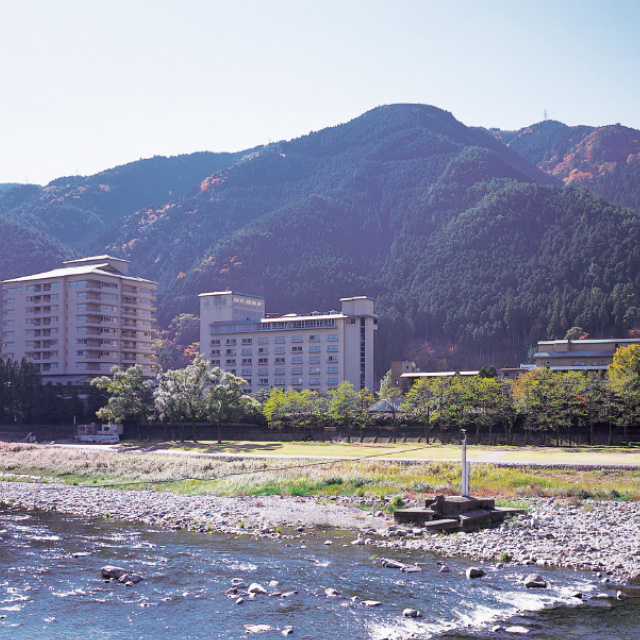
<point>253,472</point>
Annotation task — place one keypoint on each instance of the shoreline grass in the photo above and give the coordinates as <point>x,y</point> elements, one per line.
<point>375,479</point>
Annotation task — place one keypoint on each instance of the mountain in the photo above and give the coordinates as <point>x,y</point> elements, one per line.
<point>475,243</point>
<point>78,210</point>
<point>605,160</point>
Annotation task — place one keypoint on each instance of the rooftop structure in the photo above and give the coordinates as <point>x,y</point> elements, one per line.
<point>305,351</point>
<point>78,321</point>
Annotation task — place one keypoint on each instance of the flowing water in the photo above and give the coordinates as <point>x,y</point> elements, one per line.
<point>50,587</point>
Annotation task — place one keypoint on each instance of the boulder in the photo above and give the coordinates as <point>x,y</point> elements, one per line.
<point>371,603</point>
<point>257,589</point>
<point>257,628</point>
<point>535,581</point>
<point>411,613</point>
<point>130,578</point>
<point>475,572</point>
<point>444,569</point>
<point>287,631</point>
<point>332,593</point>
<point>113,573</point>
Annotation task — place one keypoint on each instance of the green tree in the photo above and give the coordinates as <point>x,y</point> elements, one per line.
<point>419,404</point>
<point>343,406</point>
<point>226,399</point>
<point>131,396</point>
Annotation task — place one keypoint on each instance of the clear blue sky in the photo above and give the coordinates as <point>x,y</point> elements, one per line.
<point>87,85</point>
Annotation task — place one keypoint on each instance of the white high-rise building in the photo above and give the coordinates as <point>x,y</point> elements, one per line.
<point>308,351</point>
<point>78,321</point>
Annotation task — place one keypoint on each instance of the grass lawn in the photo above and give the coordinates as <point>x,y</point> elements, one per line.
<point>557,455</point>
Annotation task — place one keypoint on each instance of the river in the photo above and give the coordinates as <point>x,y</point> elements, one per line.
<point>50,587</point>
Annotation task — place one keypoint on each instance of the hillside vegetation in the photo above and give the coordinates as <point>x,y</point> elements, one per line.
<point>475,243</point>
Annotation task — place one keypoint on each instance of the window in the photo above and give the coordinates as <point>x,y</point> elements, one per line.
<point>215,363</point>
<point>230,352</point>
<point>351,321</point>
<point>246,372</point>
<point>296,382</point>
<point>332,359</point>
<point>279,371</point>
<point>314,360</point>
<point>263,340</point>
<point>231,362</point>
<point>297,360</point>
<point>332,337</point>
<point>263,360</point>
<point>296,339</point>
<point>314,349</point>
<point>314,380</point>
<point>263,380</point>
<point>296,371</point>
<point>279,340</point>
<point>246,351</point>
<point>263,349</point>
<point>231,342</point>
<point>279,382</point>
<point>332,348</point>
<point>215,352</point>
<point>332,380</point>
<point>332,369</point>
<point>215,343</point>
<point>246,361</point>
<point>263,372</point>
<point>247,340</point>
<point>314,338</point>
<point>14,290</point>
<point>279,349</point>
<point>280,360</point>
<point>296,349</point>
<point>314,370</point>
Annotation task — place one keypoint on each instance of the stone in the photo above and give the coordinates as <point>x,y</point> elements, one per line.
<point>257,628</point>
<point>273,583</point>
<point>239,600</point>
<point>576,594</point>
<point>411,613</point>
<point>475,572</point>
<point>332,593</point>
<point>113,573</point>
<point>256,589</point>
<point>444,569</point>
<point>287,631</point>
<point>620,595</point>
<point>371,603</point>
<point>535,581</point>
<point>516,629</point>
<point>132,578</point>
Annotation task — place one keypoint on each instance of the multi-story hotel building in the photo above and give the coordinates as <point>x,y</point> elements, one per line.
<point>78,321</point>
<point>580,355</point>
<point>311,351</point>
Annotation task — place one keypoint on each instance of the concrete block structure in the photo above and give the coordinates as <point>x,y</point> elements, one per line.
<point>305,351</point>
<point>77,321</point>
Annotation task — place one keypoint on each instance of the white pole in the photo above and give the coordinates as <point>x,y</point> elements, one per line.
<point>466,466</point>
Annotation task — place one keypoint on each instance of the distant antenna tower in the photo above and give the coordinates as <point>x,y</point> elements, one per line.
<point>545,114</point>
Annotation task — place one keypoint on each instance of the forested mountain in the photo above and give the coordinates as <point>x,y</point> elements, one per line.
<point>605,159</point>
<point>468,239</point>
<point>78,209</point>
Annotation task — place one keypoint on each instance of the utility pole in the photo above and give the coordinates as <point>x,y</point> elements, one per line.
<point>466,467</point>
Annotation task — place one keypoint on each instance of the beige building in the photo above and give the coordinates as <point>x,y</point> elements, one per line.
<point>78,321</point>
<point>579,355</point>
<point>309,351</point>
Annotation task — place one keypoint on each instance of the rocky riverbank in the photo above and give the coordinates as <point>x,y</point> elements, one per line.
<point>599,536</point>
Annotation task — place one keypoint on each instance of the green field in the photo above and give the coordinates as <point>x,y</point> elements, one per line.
<point>412,451</point>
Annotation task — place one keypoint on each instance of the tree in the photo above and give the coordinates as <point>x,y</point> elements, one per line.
<point>365,400</point>
<point>624,377</point>
<point>343,406</point>
<point>419,403</point>
<point>226,400</point>
<point>131,396</point>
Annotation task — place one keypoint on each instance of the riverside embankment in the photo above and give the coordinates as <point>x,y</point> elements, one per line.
<point>603,536</point>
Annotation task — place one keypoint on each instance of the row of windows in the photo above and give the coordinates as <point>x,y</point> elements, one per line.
<point>215,342</point>
<point>247,351</point>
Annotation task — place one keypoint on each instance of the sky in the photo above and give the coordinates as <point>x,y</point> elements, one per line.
<point>88,85</point>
